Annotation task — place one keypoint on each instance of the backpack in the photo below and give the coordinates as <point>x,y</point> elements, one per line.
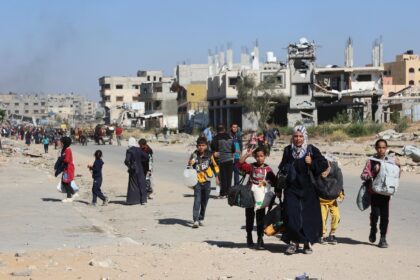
<point>388,178</point>
<point>363,197</point>
<point>326,188</point>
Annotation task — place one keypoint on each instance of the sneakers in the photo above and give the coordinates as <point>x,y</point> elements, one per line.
<point>75,195</point>
<point>201,223</point>
<point>307,249</point>
<point>372,235</point>
<point>105,203</point>
<point>249,241</point>
<point>382,242</point>
<point>291,249</point>
<point>67,200</point>
<point>93,204</point>
<point>323,240</point>
<point>332,240</point>
<point>195,224</point>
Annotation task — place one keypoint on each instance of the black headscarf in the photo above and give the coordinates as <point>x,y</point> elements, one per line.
<point>66,143</point>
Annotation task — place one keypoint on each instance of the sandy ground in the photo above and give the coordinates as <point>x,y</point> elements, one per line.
<point>156,241</point>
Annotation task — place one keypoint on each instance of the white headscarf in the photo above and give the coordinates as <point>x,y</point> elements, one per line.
<point>132,142</point>
<point>300,152</point>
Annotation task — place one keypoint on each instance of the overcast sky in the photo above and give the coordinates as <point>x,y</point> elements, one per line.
<point>65,46</point>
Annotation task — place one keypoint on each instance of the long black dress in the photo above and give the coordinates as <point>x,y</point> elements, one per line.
<point>301,204</point>
<point>136,192</point>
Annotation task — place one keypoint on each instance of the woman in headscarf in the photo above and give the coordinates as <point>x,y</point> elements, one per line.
<point>301,203</point>
<point>136,193</point>
<point>68,167</point>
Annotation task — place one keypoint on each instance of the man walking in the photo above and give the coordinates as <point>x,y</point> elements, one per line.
<point>118,133</point>
<point>235,134</point>
<point>222,146</point>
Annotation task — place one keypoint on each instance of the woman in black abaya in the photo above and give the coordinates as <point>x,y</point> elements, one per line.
<point>301,203</point>
<point>136,192</point>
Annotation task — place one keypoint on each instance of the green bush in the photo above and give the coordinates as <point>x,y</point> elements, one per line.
<point>285,130</point>
<point>338,135</point>
<point>341,118</point>
<point>401,125</point>
<point>322,130</point>
<point>363,129</point>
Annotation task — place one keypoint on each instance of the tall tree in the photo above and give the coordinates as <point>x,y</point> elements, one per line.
<point>259,100</point>
<point>2,114</point>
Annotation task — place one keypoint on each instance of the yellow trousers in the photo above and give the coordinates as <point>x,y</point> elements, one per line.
<point>332,208</point>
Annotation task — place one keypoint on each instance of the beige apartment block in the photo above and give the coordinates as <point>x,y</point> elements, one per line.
<point>405,70</point>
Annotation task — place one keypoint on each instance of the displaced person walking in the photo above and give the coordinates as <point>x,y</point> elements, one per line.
<point>147,166</point>
<point>118,133</point>
<point>65,164</point>
<point>223,149</point>
<point>331,206</point>
<point>236,136</point>
<point>303,221</point>
<point>136,192</point>
<point>96,169</point>
<point>204,162</point>
<point>379,203</point>
<point>259,174</point>
<point>46,142</point>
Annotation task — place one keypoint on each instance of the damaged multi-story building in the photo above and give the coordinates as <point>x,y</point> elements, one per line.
<point>161,106</point>
<point>315,94</point>
<point>222,94</point>
<point>191,87</point>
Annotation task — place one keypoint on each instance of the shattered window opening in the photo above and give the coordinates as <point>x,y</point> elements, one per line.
<point>119,87</point>
<point>233,81</point>
<point>302,89</point>
<point>364,78</point>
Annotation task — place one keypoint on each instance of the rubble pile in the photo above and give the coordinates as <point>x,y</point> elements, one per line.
<point>391,134</point>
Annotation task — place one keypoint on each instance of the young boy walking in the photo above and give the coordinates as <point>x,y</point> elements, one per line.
<point>203,161</point>
<point>46,142</point>
<point>96,170</point>
<point>379,203</point>
<point>331,206</point>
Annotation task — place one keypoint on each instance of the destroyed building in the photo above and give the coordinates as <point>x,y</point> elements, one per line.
<point>191,87</point>
<point>222,94</point>
<point>316,94</point>
<point>161,106</point>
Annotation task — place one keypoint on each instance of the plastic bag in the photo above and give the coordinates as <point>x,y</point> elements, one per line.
<point>262,195</point>
<point>61,189</point>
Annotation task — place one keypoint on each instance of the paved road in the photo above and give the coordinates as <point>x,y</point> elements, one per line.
<point>32,215</point>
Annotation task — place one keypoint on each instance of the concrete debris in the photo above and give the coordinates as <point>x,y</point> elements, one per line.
<point>389,134</point>
<point>20,254</point>
<point>106,263</point>
<point>412,152</point>
<point>23,273</point>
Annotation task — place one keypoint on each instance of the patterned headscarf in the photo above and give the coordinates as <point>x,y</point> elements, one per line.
<point>300,152</point>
